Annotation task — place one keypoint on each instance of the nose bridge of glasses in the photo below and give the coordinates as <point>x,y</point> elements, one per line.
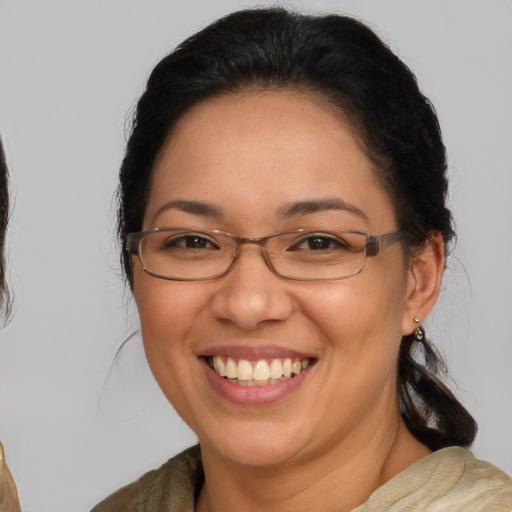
<point>260,241</point>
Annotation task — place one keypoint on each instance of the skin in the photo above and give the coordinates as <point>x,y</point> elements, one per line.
<point>338,436</point>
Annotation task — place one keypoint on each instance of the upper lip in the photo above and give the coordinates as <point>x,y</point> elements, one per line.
<point>254,352</point>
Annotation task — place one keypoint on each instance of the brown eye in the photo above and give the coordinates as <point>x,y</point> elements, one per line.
<point>319,242</point>
<point>189,241</point>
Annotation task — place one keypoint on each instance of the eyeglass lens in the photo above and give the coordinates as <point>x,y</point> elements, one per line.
<point>190,255</point>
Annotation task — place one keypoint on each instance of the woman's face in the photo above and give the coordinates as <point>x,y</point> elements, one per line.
<point>254,164</point>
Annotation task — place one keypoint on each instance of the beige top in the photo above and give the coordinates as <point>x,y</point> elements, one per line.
<point>8,493</point>
<point>449,480</point>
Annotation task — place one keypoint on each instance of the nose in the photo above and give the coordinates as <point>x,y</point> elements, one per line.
<point>251,294</point>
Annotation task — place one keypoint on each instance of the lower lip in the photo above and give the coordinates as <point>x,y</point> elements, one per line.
<point>253,395</point>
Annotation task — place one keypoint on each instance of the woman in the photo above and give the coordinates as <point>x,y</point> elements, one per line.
<point>282,205</point>
<point>8,493</point>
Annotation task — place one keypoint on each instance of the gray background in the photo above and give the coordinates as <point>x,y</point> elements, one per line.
<point>75,426</point>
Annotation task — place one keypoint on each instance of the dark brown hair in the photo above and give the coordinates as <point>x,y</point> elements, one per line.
<point>4,217</point>
<point>342,61</point>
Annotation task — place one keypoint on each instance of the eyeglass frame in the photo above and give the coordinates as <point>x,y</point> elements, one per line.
<point>373,245</point>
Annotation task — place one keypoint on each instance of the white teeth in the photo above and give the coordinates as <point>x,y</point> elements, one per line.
<point>231,370</point>
<point>259,373</point>
<point>218,365</point>
<point>276,369</point>
<point>244,370</point>
<point>287,368</point>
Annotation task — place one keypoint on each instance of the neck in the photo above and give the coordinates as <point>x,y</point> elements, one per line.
<point>340,479</point>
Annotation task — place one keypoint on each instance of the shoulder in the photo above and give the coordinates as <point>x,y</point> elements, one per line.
<point>480,486</point>
<point>451,479</point>
<point>474,481</point>
<point>174,485</point>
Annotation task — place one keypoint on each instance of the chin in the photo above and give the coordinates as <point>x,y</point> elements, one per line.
<point>256,446</point>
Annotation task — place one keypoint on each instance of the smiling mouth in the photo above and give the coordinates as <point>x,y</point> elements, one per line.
<point>262,372</point>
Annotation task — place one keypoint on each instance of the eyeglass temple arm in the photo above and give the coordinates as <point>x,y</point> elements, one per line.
<point>132,243</point>
<point>375,243</point>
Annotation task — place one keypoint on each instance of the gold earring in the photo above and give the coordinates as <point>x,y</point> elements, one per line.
<point>419,332</point>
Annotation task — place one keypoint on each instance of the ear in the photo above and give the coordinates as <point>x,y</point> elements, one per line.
<point>423,282</point>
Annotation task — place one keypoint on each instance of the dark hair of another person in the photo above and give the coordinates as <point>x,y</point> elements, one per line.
<point>4,217</point>
<point>340,60</point>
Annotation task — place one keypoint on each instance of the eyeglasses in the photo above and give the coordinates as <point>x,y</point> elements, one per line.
<point>184,254</point>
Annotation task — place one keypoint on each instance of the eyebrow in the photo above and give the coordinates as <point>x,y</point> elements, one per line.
<point>194,207</point>
<point>296,209</point>
<point>320,205</point>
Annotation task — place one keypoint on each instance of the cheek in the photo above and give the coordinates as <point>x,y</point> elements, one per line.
<point>359,307</point>
<point>361,321</point>
<point>165,307</point>
<point>168,311</point>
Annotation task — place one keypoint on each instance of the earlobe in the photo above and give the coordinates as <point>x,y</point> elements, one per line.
<point>423,282</point>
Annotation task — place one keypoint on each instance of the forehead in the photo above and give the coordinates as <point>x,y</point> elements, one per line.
<point>257,151</point>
